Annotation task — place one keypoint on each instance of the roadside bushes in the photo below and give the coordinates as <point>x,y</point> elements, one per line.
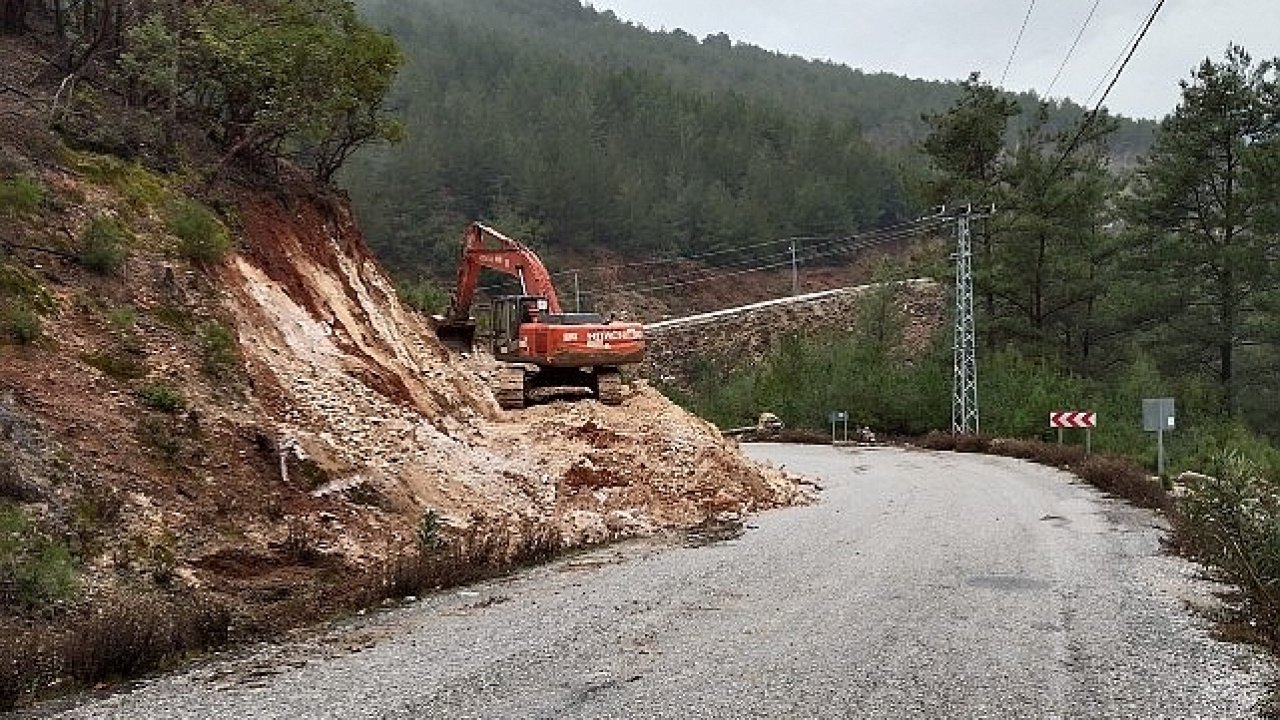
<point>448,559</point>
<point>1232,520</point>
<point>1115,475</point>
<point>121,636</point>
<point>1123,478</point>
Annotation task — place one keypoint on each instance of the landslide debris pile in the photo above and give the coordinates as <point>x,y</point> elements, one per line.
<point>367,396</point>
<point>257,428</point>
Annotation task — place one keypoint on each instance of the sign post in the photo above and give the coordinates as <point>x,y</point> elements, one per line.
<point>1158,416</point>
<point>837,417</point>
<point>1086,419</point>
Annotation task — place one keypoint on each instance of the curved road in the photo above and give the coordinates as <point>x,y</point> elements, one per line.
<point>921,586</point>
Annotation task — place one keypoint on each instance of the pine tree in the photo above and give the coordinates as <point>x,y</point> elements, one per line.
<point>1206,199</point>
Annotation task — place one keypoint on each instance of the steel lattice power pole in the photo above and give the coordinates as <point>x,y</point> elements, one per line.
<point>964,388</point>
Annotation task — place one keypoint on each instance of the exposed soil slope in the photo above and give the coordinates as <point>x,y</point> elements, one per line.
<point>330,435</point>
<point>362,386</point>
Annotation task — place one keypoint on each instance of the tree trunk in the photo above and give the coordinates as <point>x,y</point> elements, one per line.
<point>14,19</point>
<point>171,109</point>
<point>1227,342</point>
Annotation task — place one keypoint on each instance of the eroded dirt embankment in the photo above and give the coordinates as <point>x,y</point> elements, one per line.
<point>362,393</point>
<point>255,442</point>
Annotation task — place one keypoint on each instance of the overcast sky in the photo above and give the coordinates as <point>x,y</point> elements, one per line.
<point>947,40</point>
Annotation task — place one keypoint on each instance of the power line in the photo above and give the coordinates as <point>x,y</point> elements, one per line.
<point>823,240</point>
<point>698,256</point>
<point>1124,50</point>
<point>1018,41</point>
<point>1093,114</point>
<point>723,251</point>
<point>684,258</point>
<point>1071,50</point>
<point>851,243</point>
<point>717,272</point>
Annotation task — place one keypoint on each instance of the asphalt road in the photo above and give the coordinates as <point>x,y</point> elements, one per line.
<point>921,586</point>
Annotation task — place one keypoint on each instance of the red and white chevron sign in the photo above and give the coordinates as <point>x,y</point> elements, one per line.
<point>1073,419</point>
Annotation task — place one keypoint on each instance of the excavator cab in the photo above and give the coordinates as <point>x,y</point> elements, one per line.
<point>506,315</point>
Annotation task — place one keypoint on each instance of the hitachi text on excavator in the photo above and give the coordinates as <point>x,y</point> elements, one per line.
<point>537,343</point>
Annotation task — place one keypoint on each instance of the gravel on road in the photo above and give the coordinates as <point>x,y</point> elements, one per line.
<point>922,585</point>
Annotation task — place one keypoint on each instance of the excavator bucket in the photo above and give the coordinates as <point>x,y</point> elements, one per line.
<point>457,335</point>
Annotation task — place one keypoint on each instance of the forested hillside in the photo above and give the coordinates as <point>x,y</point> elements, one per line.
<point>1093,290</point>
<point>581,132</point>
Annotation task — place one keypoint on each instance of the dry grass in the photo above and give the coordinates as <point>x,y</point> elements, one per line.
<point>1117,476</point>
<point>1123,478</point>
<point>123,636</point>
<point>475,555</point>
<point>959,443</point>
<point>128,634</point>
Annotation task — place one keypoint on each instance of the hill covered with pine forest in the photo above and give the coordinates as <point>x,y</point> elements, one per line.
<point>584,133</point>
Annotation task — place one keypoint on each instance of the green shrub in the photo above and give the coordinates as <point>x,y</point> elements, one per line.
<point>160,435</point>
<point>429,536</point>
<point>23,285</point>
<point>105,246</point>
<point>1204,448</point>
<point>141,188</point>
<point>38,570</point>
<point>424,296</point>
<point>20,197</point>
<point>1232,519</point>
<point>123,319</point>
<point>19,323</point>
<point>175,318</point>
<point>22,299</point>
<point>218,348</point>
<point>49,576</point>
<point>202,238</point>
<point>162,398</point>
<point>120,368</point>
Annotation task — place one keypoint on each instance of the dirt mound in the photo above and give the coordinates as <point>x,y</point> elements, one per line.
<point>365,391</point>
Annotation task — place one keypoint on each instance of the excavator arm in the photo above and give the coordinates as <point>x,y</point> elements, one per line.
<point>484,247</point>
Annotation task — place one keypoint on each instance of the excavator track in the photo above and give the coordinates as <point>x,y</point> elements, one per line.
<point>609,386</point>
<point>510,388</point>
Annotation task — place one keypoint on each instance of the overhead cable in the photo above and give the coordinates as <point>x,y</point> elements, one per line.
<point>812,252</point>
<point>820,240</point>
<point>1071,50</point>
<point>1017,41</point>
<point>838,246</point>
<point>1093,114</point>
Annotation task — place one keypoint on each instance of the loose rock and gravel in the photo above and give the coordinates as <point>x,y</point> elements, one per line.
<point>922,585</point>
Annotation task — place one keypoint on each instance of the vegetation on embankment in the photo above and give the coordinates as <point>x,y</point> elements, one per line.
<point>125,406</point>
<point>133,630</point>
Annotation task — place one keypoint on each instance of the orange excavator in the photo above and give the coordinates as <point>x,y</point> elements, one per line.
<point>539,345</point>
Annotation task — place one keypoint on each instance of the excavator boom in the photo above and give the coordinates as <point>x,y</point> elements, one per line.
<point>484,247</point>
